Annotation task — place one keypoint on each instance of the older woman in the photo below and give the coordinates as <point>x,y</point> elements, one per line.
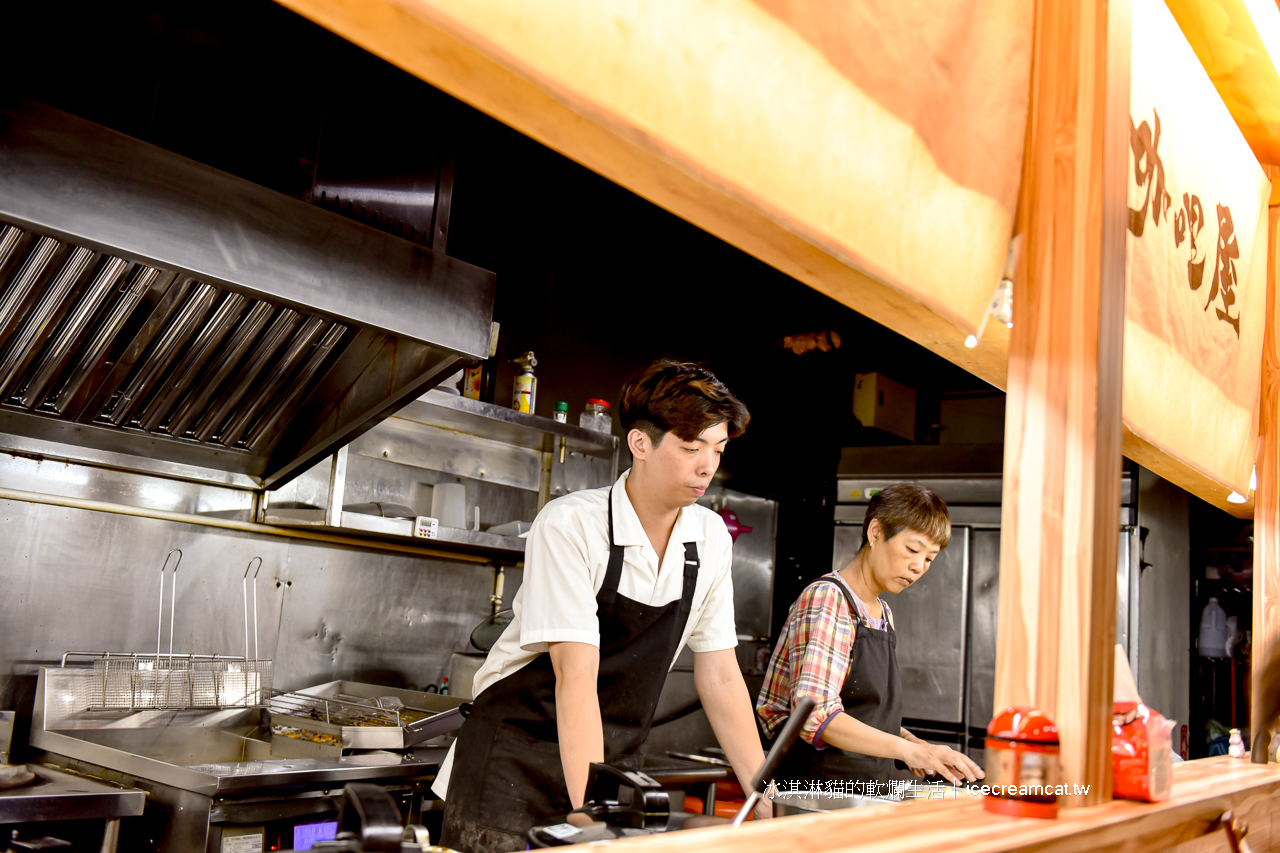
<point>838,647</point>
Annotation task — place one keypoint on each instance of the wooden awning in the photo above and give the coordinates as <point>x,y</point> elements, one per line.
<point>871,150</point>
<point>787,129</point>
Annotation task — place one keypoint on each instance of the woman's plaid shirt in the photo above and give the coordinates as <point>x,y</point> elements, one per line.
<point>812,658</point>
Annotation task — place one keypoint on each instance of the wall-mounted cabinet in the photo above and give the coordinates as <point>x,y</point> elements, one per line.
<point>509,463</point>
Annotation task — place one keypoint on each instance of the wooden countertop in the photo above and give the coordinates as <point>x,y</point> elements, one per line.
<point>1188,821</point>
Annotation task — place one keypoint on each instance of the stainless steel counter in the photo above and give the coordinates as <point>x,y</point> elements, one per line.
<point>207,774</point>
<point>57,795</point>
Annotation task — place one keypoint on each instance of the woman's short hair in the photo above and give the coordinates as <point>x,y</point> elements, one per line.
<point>908,506</point>
<point>680,397</point>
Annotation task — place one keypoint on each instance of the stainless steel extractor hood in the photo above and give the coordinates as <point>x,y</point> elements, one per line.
<point>159,315</point>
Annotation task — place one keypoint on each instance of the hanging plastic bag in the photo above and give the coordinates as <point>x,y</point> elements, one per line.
<point>1141,744</point>
<point>1141,753</point>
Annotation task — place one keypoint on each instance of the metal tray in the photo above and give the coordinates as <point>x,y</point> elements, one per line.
<point>331,718</point>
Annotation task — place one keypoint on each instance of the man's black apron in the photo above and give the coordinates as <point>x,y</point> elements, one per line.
<point>872,694</point>
<point>507,775</point>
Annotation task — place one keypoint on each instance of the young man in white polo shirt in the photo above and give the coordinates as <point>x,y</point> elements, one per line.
<point>616,582</point>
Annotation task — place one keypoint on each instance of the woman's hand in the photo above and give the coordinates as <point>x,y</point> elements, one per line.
<point>927,759</point>
<point>918,772</point>
<point>763,809</point>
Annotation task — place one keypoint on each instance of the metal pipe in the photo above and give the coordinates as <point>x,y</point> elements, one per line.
<point>134,656</point>
<point>242,526</point>
<point>337,488</point>
<point>499,582</point>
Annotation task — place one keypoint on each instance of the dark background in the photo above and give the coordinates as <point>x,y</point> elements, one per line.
<point>595,280</point>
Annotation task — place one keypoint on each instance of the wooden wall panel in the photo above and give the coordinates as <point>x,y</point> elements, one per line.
<point>1062,434</point>
<point>1266,520</point>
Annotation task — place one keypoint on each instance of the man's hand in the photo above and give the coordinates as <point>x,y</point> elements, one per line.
<point>724,696</point>
<point>763,809</point>
<point>577,666</point>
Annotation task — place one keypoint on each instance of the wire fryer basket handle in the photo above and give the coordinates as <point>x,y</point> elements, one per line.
<point>244,584</point>
<point>173,593</point>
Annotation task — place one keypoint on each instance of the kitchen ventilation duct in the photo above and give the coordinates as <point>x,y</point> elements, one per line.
<point>159,315</point>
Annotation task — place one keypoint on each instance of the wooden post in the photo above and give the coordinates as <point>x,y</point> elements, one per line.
<point>1266,519</point>
<point>1061,502</point>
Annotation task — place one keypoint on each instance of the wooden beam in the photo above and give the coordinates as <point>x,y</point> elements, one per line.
<point>1266,521</point>
<point>1227,41</point>
<point>1061,496</point>
<point>1183,475</point>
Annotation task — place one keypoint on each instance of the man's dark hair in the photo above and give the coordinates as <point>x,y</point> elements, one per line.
<point>908,506</point>
<point>679,397</point>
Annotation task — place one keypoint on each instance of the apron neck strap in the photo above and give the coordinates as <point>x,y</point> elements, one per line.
<point>613,574</point>
<point>692,562</point>
<point>855,608</point>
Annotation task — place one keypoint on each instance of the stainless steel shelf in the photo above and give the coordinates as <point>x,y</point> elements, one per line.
<point>498,423</point>
<point>460,437</point>
<point>399,529</point>
<point>58,795</point>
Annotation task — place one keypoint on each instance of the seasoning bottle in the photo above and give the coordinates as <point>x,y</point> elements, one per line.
<point>525,394</point>
<point>471,380</point>
<point>596,416</point>
<point>561,414</point>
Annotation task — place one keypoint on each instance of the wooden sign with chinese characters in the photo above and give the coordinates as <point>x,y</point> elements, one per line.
<point>1196,261</point>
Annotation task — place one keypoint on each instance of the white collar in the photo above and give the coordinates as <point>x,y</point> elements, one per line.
<point>627,529</point>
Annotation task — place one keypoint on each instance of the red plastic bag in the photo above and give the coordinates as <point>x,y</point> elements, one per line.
<point>1141,753</point>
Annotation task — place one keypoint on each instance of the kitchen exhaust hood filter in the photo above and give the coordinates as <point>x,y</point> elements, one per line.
<point>159,315</point>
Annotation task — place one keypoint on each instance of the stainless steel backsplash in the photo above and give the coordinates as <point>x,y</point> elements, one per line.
<point>81,579</point>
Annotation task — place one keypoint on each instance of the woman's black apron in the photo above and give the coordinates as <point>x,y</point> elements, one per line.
<point>507,775</point>
<point>872,694</point>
